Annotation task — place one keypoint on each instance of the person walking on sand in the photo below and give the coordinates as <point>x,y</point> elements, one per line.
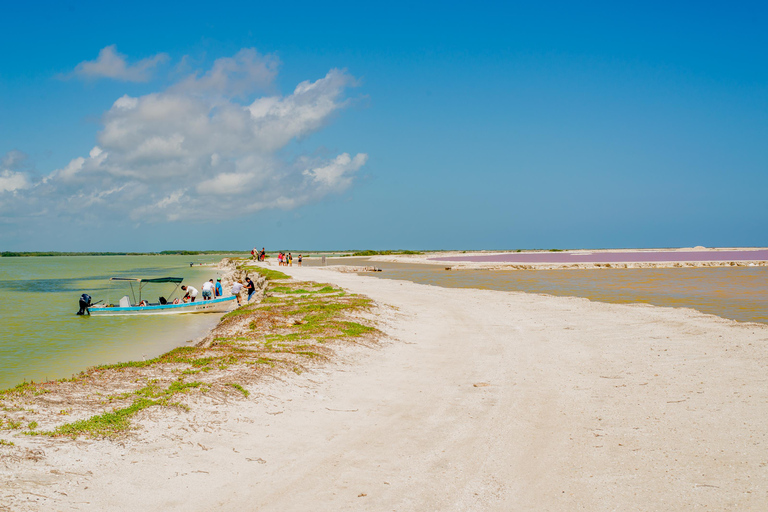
<point>217,291</point>
<point>290,259</point>
<point>249,287</point>
<point>299,259</point>
<point>263,254</point>
<point>236,289</point>
<point>191,293</point>
<point>208,290</point>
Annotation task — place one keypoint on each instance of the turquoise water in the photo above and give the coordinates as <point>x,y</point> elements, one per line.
<point>42,338</point>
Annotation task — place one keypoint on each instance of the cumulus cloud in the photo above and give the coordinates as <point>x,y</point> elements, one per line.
<point>200,150</point>
<point>12,177</point>
<point>233,76</point>
<point>110,64</point>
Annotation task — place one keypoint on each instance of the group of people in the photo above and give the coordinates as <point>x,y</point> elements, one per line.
<point>283,258</point>
<point>286,260</point>
<point>213,290</point>
<point>258,255</point>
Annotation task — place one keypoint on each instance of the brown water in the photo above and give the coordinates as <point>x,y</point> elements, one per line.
<point>738,293</point>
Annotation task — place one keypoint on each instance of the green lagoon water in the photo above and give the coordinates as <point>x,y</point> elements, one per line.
<point>42,338</point>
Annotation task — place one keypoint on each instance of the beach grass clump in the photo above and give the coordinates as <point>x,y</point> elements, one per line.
<point>304,289</point>
<point>117,421</point>
<point>268,273</point>
<point>19,390</point>
<point>106,424</point>
<point>238,387</point>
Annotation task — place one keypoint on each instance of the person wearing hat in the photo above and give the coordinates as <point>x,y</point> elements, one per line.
<point>218,291</point>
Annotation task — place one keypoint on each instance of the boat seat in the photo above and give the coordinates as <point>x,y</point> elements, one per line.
<point>125,302</point>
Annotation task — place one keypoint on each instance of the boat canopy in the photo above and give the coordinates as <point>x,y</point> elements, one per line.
<point>176,280</point>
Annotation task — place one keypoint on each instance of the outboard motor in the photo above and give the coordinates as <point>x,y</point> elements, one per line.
<point>85,303</point>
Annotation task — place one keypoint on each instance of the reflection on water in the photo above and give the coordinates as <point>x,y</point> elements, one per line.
<point>738,293</point>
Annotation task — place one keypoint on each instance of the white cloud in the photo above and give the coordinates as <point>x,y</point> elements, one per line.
<point>111,64</point>
<point>338,173</point>
<point>12,181</point>
<point>11,178</point>
<point>199,151</point>
<point>233,76</point>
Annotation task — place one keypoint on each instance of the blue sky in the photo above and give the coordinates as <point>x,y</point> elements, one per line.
<point>489,125</point>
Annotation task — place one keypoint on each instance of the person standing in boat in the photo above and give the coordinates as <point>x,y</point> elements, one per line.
<point>208,290</point>
<point>217,291</point>
<point>191,293</point>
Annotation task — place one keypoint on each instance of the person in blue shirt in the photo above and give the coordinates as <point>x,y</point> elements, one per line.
<point>218,292</point>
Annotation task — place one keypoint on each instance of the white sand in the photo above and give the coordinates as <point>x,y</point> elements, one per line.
<point>431,258</point>
<point>482,400</point>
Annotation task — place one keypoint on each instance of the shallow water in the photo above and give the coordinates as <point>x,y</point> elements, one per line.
<point>42,338</point>
<point>738,293</point>
<point>613,257</point>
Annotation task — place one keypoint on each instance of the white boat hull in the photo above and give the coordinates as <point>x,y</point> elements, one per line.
<point>201,306</point>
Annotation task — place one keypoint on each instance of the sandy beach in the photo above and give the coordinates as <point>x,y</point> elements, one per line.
<point>471,400</point>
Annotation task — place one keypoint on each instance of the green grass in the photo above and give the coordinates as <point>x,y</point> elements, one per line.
<point>240,388</point>
<point>354,329</point>
<point>242,310</point>
<point>18,390</point>
<point>177,355</point>
<point>115,422</point>
<point>266,272</point>
<point>375,253</point>
<point>107,424</point>
<point>303,291</point>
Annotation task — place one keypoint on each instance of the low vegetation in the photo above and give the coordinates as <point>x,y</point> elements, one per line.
<point>376,253</point>
<point>293,328</point>
<point>266,272</point>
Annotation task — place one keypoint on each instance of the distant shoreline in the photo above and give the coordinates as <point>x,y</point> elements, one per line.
<point>32,254</point>
<point>588,259</point>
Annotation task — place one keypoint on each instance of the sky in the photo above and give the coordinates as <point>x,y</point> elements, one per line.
<point>149,126</point>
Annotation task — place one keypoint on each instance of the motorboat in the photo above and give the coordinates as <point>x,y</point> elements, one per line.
<point>137,305</point>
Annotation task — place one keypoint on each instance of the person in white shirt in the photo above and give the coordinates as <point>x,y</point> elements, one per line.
<point>208,290</point>
<point>236,289</point>
<point>191,293</point>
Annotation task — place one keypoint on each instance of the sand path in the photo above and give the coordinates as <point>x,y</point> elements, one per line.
<point>483,400</point>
